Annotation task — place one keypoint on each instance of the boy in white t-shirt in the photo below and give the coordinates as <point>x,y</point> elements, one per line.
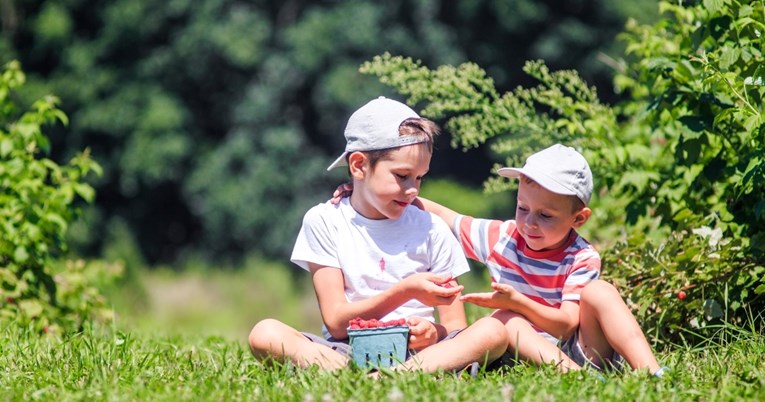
<point>374,255</point>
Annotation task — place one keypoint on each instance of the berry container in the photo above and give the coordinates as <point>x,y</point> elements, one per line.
<point>379,347</point>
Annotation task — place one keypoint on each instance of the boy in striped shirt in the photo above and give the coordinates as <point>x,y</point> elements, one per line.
<point>545,275</point>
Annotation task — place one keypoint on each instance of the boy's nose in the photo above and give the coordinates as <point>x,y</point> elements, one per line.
<point>411,188</point>
<point>412,191</point>
<point>531,222</point>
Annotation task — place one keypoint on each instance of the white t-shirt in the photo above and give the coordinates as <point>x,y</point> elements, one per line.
<point>374,255</point>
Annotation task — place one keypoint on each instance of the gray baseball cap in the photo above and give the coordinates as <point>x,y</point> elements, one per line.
<point>374,126</point>
<point>560,169</point>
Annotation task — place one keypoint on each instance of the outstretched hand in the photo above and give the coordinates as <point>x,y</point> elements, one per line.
<point>504,297</point>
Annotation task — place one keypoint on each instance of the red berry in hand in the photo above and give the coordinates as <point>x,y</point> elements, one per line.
<point>681,295</point>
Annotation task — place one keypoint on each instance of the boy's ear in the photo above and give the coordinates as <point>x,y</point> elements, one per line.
<point>357,164</point>
<point>582,217</point>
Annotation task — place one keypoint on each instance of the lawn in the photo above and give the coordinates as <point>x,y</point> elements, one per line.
<point>104,363</point>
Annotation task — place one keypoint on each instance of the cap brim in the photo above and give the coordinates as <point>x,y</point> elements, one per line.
<point>510,172</point>
<point>539,177</point>
<point>338,162</point>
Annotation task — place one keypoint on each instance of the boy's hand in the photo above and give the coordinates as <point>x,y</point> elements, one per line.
<point>422,333</point>
<point>504,297</point>
<point>342,191</point>
<point>432,290</point>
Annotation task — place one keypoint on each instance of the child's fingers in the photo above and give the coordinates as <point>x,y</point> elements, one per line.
<point>449,292</point>
<point>476,297</point>
<point>440,280</point>
<point>502,287</point>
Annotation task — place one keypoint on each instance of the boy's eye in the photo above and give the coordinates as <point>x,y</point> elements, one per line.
<point>524,209</point>
<point>401,176</point>
<point>546,216</point>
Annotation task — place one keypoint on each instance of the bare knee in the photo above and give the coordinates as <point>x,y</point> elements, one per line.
<point>494,330</point>
<point>599,292</point>
<point>265,337</point>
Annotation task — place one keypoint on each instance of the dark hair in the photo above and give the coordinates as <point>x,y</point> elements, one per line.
<point>420,127</point>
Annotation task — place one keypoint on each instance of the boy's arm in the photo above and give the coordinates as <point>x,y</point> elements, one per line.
<point>335,310</point>
<point>451,317</point>
<point>558,322</point>
<point>446,214</point>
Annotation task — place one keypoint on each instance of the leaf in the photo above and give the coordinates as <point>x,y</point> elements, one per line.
<point>729,57</point>
<point>713,6</point>
<point>6,146</point>
<point>20,254</point>
<point>85,191</point>
<point>752,123</point>
<point>759,289</point>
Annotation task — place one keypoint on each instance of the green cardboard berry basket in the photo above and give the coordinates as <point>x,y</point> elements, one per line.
<point>379,347</point>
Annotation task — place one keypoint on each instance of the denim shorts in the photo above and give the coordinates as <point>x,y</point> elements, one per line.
<point>573,350</point>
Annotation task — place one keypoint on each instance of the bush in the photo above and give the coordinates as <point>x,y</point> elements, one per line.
<point>37,203</point>
<point>679,164</point>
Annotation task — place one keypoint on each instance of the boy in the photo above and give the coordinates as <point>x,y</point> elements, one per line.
<point>373,255</point>
<point>545,276</point>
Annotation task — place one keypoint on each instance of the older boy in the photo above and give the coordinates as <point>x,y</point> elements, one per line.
<point>373,255</point>
<point>545,275</point>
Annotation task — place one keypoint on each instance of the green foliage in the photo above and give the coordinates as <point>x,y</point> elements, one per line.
<point>37,204</point>
<point>700,72</point>
<point>682,154</point>
<point>199,110</point>
<point>688,285</point>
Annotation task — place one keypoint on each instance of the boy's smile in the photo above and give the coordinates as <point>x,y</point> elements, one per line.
<point>383,192</point>
<point>544,219</point>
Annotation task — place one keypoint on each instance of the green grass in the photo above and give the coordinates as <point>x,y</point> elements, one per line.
<point>108,364</point>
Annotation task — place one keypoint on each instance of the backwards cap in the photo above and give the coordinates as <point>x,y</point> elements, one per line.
<point>560,169</point>
<point>374,126</point>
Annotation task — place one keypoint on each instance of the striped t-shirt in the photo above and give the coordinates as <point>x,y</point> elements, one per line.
<point>548,277</point>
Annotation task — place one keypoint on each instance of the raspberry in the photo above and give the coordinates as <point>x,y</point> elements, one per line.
<point>360,323</point>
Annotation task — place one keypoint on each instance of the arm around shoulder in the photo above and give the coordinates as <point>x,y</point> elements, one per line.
<point>446,214</point>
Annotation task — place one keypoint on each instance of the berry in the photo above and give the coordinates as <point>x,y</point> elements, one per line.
<point>360,323</point>
<point>681,295</point>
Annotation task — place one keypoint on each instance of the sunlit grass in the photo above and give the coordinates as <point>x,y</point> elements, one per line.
<point>108,364</point>
<point>186,341</point>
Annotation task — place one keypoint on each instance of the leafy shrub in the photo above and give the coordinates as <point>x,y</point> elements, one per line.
<point>37,203</point>
<point>681,156</point>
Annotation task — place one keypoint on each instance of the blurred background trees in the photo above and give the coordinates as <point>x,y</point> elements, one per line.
<point>214,120</point>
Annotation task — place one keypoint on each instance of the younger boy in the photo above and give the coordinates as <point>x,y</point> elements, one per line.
<point>545,276</point>
<point>373,255</point>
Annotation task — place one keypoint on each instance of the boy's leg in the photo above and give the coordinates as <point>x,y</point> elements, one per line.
<point>484,341</point>
<point>606,325</point>
<point>272,339</point>
<point>529,345</point>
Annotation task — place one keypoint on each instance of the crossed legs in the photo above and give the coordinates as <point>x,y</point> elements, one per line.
<point>484,341</point>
